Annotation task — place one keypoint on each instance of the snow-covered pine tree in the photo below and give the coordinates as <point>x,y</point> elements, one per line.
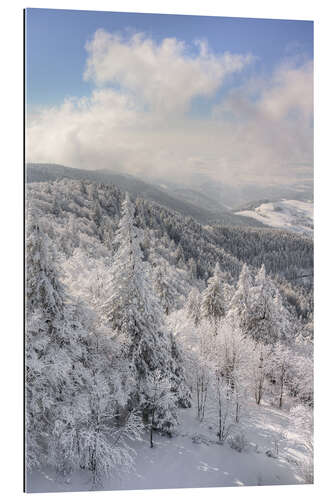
<point>97,213</point>
<point>179,256</point>
<point>37,403</point>
<point>73,233</point>
<point>283,319</point>
<point>48,358</point>
<point>43,288</point>
<point>83,188</point>
<point>106,232</point>
<point>193,269</point>
<point>133,312</point>
<point>103,442</point>
<point>179,384</point>
<point>267,319</point>
<point>239,305</point>
<point>159,402</point>
<point>193,305</point>
<point>162,288</point>
<point>212,303</point>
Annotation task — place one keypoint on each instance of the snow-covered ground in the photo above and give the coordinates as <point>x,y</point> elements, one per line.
<point>290,215</point>
<point>193,458</point>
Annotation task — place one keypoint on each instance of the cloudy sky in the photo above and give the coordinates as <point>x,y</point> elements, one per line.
<point>171,96</point>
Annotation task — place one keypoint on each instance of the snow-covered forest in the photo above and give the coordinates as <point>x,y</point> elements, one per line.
<point>161,352</point>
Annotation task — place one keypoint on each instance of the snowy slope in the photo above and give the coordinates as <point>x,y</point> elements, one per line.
<point>178,462</point>
<point>290,215</point>
<point>75,220</point>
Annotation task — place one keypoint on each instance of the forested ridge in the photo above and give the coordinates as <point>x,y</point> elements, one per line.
<point>287,256</point>
<point>135,311</point>
<point>172,199</point>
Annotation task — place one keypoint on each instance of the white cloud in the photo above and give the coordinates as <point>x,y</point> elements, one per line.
<point>259,133</point>
<point>291,91</point>
<point>165,76</point>
<point>272,123</point>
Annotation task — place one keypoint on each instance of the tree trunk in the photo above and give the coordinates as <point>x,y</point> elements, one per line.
<point>259,392</point>
<point>261,380</point>
<point>281,392</point>
<point>220,421</point>
<point>204,402</point>
<point>237,412</point>
<point>151,430</point>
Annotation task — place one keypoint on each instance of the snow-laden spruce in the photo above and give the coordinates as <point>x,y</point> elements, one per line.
<point>193,305</point>
<point>134,313</point>
<point>213,301</point>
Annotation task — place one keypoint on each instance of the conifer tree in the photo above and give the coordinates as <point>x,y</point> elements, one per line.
<point>213,304</point>
<point>43,288</point>
<point>193,305</point>
<point>133,311</point>
<point>178,380</point>
<point>159,402</point>
<point>48,359</point>
<point>268,320</point>
<point>193,269</point>
<point>238,313</point>
<point>163,288</point>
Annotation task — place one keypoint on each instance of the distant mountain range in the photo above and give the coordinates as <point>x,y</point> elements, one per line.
<point>214,193</point>
<point>187,201</point>
<point>206,201</point>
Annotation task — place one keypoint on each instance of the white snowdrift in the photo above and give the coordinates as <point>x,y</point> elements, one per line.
<point>184,462</point>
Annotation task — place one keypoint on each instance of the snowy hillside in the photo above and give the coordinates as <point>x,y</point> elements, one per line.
<point>159,352</point>
<point>290,215</point>
<point>194,457</point>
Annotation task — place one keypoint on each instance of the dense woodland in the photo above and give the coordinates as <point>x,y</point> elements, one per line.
<point>134,311</point>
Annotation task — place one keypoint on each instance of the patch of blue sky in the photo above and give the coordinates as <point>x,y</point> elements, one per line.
<point>56,39</point>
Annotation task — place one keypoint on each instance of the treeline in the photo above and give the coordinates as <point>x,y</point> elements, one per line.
<point>285,254</point>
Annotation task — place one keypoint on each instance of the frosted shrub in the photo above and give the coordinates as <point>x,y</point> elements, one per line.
<point>238,442</point>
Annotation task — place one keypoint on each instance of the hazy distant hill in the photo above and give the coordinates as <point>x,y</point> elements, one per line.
<point>200,188</point>
<point>185,201</point>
